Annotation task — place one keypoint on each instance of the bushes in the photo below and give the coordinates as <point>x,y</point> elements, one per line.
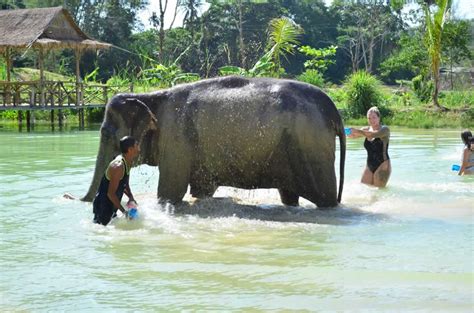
<point>467,118</point>
<point>312,77</point>
<point>363,92</point>
<point>423,88</point>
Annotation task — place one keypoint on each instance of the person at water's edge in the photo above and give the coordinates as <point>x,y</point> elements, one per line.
<point>467,164</point>
<point>377,136</point>
<point>115,183</point>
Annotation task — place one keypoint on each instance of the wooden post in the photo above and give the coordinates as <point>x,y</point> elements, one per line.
<point>8,60</point>
<point>28,120</point>
<point>78,88</point>
<point>20,118</point>
<point>78,75</point>
<point>52,120</point>
<point>7,87</point>
<point>60,112</point>
<point>41,68</point>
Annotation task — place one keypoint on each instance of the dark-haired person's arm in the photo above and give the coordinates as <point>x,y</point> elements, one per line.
<point>129,194</point>
<point>116,170</point>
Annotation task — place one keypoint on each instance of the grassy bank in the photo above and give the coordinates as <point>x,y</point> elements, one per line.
<point>399,107</point>
<point>403,108</point>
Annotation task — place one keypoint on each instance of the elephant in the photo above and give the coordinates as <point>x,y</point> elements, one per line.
<point>231,131</point>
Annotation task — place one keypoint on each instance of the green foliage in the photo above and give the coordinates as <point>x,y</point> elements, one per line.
<point>263,68</point>
<point>283,39</point>
<point>92,76</point>
<point>423,88</point>
<point>320,58</point>
<point>95,115</point>
<point>312,77</point>
<point>467,118</point>
<point>456,38</point>
<point>458,99</point>
<point>3,69</point>
<point>166,76</point>
<point>363,92</point>
<point>118,80</point>
<point>408,61</point>
<point>434,30</point>
<point>232,70</point>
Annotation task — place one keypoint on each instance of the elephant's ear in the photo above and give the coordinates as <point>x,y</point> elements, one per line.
<point>139,118</point>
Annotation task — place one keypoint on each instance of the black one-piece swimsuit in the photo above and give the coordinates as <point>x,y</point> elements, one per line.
<point>376,154</point>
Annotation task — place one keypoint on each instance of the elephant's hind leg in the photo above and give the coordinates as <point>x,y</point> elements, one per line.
<point>288,197</point>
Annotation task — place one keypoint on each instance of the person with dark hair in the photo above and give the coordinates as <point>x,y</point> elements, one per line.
<point>115,183</point>
<point>377,136</point>
<point>467,165</point>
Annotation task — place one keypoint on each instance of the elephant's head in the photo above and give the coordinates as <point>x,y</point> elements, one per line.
<point>125,115</point>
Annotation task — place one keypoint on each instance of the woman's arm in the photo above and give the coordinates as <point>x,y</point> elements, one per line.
<point>356,133</point>
<point>465,161</point>
<point>384,131</point>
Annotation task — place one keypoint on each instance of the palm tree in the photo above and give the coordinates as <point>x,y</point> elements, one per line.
<point>190,9</point>
<point>434,29</point>
<point>283,38</point>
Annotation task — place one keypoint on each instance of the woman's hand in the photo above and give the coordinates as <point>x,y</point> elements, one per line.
<point>355,133</point>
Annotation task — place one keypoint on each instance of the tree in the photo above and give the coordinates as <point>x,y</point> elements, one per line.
<point>456,38</point>
<point>157,19</point>
<point>408,61</point>
<point>283,39</point>
<point>434,29</point>
<point>191,9</point>
<point>365,27</point>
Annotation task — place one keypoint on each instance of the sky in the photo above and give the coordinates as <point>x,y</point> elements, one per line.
<point>462,8</point>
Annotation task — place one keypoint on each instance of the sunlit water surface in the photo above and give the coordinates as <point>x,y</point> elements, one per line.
<point>408,247</point>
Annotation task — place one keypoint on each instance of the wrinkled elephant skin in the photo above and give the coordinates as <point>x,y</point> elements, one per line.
<point>231,131</point>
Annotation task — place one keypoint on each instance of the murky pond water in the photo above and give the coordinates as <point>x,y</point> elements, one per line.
<point>407,247</point>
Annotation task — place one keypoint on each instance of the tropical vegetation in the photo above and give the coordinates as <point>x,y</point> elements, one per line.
<point>361,52</point>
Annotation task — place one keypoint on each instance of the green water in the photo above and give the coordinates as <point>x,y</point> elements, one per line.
<point>406,248</point>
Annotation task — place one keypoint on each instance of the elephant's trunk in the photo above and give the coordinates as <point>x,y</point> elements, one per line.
<point>104,156</point>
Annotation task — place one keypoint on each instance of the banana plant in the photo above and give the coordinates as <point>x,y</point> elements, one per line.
<point>434,29</point>
<point>283,39</point>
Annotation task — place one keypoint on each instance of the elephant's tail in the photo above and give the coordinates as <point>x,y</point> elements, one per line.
<point>342,147</point>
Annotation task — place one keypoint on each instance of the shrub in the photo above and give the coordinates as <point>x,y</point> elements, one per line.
<point>363,92</point>
<point>423,88</point>
<point>95,115</point>
<point>312,77</point>
<point>467,118</point>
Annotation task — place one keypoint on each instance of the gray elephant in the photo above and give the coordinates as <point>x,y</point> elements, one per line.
<point>231,131</point>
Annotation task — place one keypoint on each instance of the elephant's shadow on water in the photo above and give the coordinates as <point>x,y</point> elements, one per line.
<point>229,207</point>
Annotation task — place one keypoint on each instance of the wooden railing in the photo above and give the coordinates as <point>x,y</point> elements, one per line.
<point>56,93</point>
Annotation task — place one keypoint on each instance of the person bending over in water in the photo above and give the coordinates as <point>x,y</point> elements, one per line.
<point>377,136</point>
<point>467,165</point>
<point>114,183</point>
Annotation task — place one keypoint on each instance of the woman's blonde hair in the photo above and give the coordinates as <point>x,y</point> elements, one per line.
<point>375,110</point>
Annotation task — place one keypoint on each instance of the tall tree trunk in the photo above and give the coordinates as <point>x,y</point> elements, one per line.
<point>241,36</point>
<point>162,27</point>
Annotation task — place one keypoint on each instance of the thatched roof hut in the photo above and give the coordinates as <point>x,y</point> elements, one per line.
<point>47,28</point>
<point>43,29</point>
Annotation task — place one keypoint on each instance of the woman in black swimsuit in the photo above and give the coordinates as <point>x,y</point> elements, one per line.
<point>378,168</point>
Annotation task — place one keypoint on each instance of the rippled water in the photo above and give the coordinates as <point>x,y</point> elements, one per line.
<point>406,248</point>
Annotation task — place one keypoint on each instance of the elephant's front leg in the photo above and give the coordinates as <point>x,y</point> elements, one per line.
<point>175,168</point>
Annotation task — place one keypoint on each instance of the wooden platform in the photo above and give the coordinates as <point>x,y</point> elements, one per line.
<point>27,107</point>
<point>54,96</point>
